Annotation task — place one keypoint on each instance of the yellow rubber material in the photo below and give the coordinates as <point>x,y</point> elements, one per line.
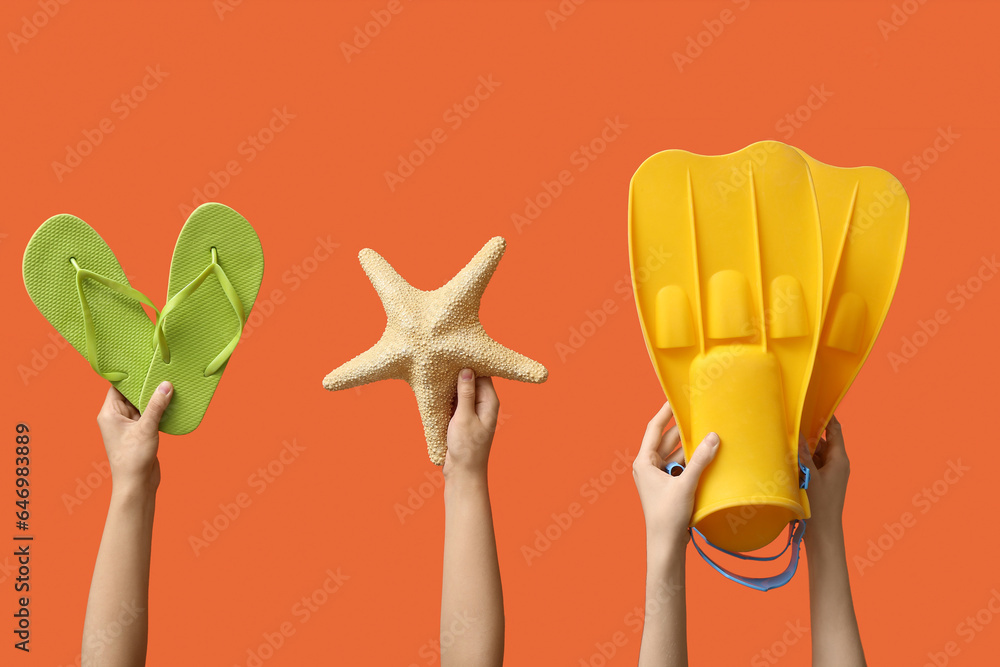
<point>864,213</point>
<point>731,321</point>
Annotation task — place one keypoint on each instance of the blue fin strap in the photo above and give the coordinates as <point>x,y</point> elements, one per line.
<point>796,531</point>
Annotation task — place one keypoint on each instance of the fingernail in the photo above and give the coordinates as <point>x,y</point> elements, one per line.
<point>712,439</point>
<point>165,388</point>
<point>467,374</point>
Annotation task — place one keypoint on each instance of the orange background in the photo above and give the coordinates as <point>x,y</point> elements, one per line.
<point>323,176</point>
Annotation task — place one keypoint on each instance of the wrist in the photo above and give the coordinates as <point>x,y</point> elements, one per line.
<point>464,482</point>
<point>824,538</point>
<point>665,556</point>
<point>664,574</point>
<point>133,491</point>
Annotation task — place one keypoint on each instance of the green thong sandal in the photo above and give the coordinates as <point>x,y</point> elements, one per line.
<point>76,282</point>
<point>215,274</point>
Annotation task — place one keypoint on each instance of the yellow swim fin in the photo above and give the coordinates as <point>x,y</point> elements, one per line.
<point>864,212</point>
<point>731,320</point>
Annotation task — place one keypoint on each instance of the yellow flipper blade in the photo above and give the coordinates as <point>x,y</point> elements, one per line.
<point>864,213</point>
<point>731,320</point>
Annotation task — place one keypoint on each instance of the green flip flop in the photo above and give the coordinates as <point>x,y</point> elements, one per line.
<point>76,282</point>
<point>215,274</point>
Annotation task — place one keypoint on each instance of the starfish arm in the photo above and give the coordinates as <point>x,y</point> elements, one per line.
<point>382,361</point>
<point>434,400</point>
<point>470,283</point>
<point>495,360</point>
<point>391,287</point>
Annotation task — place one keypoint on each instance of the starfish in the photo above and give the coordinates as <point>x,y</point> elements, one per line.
<point>430,337</point>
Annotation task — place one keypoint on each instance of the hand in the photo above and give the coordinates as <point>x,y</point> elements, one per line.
<point>131,440</point>
<point>668,501</point>
<point>829,470</point>
<point>470,432</point>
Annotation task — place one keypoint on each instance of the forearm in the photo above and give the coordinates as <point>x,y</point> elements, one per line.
<point>836,640</point>
<point>472,619</point>
<point>116,624</point>
<point>664,631</point>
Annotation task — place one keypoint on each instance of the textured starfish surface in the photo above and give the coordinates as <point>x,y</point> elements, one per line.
<point>430,337</point>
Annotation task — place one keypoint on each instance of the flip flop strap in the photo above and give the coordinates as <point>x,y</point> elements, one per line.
<point>234,300</point>
<point>88,320</point>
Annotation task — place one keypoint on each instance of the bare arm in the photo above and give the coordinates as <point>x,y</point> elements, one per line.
<point>836,639</point>
<point>472,618</point>
<point>667,504</point>
<point>116,625</point>
<point>664,630</point>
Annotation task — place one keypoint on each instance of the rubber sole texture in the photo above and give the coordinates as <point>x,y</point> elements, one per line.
<point>123,330</point>
<point>204,322</point>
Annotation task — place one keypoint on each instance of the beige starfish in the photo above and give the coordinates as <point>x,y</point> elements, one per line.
<point>429,337</point>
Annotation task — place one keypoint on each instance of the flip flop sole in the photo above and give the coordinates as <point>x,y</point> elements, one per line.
<point>123,330</point>
<point>204,322</point>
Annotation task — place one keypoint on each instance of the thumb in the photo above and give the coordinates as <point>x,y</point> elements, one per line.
<point>466,405</point>
<point>704,454</point>
<point>158,403</point>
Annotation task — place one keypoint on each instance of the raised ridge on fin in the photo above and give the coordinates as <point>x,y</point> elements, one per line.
<point>788,315</point>
<point>728,300</point>
<point>674,324</point>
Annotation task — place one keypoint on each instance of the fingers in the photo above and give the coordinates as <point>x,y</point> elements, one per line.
<point>112,400</point>
<point>654,431</point>
<point>466,405</point>
<point>669,441</point>
<point>677,456</point>
<point>158,402</point>
<point>116,405</point>
<point>487,402</point>
<point>703,455</point>
<point>834,447</point>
